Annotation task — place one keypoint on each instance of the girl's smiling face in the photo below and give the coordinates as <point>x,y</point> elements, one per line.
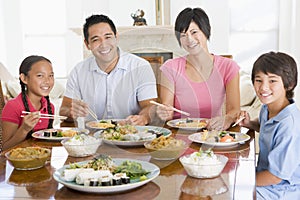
<point>40,79</point>
<point>269,88</point>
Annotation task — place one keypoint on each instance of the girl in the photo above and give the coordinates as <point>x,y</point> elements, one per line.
<point>37,80</point>
<point>274,76</point>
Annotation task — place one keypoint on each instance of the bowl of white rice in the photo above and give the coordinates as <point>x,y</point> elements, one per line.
<point>81,145</point>
<point>203,164</point>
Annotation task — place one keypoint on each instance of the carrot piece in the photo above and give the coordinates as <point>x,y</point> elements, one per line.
<point>227,138</point>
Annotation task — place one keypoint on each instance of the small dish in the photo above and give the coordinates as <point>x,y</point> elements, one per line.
<point>169,152</point>
<point>28,158</point>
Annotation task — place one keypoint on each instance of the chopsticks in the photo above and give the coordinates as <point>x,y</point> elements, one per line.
<point>46,116</point>
<point>241,118</point>
<point>175,109</point>
<point>238,121</point>
<point>92,113</point>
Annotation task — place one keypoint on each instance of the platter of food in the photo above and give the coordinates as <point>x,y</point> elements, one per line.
<point>104,123</point>
<point>219,138</point>
<point>58,133</point>
<point>188,123</point>
<point>107,175</point>
<point>128,135</point>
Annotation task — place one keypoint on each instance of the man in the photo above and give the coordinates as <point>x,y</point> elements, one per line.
<point>112,83</point>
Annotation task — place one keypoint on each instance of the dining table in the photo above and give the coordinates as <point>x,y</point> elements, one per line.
<point>236,181</point>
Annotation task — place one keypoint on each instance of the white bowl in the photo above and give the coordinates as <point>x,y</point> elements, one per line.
<point>81,145</point>
<point>204,170</point>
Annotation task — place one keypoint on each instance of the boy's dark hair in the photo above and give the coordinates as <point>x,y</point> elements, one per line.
<point>25,67</point>
<point>186,16</point>
<point>280,64</point>
<point>96,19</point>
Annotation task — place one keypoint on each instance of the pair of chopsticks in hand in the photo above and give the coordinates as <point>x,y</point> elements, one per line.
<point>46,116</point>
<point>175,109</point>
<point>90,111</point>
<point>241,118</point>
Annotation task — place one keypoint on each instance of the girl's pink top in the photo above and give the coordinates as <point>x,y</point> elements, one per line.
<point>12,112</point>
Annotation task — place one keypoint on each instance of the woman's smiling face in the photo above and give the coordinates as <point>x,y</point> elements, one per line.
<point>193,39</point>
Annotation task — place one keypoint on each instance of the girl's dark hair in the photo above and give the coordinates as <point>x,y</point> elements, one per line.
<point>24,69</point>
<point>186,16</point>
<point>280,64</point>
<point>96,19</point>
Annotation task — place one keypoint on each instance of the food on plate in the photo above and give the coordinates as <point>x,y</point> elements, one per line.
<point>129,133</point>
<point>60,133</point>
<point>103,124</point>
<point>218,136</point>
<point>203,164</point>
<point>199,123</point>
<point>102,171</point>
<point>28,157</point>
<point>81,145</point>
<point>163,142</point>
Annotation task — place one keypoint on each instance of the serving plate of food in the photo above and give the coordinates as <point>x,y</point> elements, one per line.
<point>105,123</point>
<point>128,135</point>
<point>219,138</point>
<point>188,123</point>
<point>58,133</point>
<point>107,175</point>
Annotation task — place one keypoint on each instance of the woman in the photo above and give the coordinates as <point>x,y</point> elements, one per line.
<point>199,82</point>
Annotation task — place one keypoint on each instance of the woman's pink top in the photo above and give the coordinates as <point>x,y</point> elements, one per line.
<point>200,99</point>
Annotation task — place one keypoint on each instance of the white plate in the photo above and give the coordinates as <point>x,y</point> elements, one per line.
<point>166,132</point>
<point>240,139</point>
<point>89,124</point>
<point>40,134</point>
<point>153,169</point>
<point>174,123</point>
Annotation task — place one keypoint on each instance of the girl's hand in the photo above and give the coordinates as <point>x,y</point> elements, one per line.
<point>164,112</point>
<point>30,120</point>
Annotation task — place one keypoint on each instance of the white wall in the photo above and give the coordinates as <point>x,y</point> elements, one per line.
<point>12,45</point>
<point>289,34</point>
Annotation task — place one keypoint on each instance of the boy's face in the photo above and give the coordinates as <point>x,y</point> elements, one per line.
<point>269,88</point>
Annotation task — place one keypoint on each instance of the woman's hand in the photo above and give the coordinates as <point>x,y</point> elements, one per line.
<point>220,123</point>
<point>165,113</point>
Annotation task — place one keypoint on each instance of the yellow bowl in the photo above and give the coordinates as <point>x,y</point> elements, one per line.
<point>166,153</point>
<point>28,158</point>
